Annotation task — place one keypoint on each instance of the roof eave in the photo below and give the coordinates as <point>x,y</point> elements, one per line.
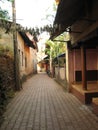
<point>67,14</point>
<point>28,42</point>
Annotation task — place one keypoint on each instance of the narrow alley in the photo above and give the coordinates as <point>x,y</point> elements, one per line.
<point>45,105</point>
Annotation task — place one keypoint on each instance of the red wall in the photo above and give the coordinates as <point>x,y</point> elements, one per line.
<point>91,62</point>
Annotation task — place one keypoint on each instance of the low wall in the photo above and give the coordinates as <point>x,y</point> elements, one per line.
<point>60,76</point>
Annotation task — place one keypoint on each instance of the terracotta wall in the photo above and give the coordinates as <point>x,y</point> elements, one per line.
<point>92,59</point>
<point>77,59</point>
<point>91,62</point>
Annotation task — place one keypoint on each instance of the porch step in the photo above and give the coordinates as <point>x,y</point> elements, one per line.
<point>95,105</point>
<point>89,96</point>
<point>84,96</point>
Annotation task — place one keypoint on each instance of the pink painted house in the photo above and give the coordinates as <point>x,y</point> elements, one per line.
<point>81,22</point>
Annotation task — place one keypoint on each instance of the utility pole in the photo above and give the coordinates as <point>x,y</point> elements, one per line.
<point>16,56</point>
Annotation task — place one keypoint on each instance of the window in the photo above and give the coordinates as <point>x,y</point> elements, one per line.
<point>25,62</point>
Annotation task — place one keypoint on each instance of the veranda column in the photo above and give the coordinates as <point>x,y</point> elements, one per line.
<point>83,62</point>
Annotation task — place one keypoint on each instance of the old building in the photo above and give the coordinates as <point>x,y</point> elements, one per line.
<point>80,19</point>
<point>27,49</point>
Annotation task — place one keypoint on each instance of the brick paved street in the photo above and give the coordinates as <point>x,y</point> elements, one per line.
<point>44,105</point>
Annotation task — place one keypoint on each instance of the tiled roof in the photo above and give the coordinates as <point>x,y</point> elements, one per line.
<point>27,41</point>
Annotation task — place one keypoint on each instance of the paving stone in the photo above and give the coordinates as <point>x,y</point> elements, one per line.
<point>44,105</point>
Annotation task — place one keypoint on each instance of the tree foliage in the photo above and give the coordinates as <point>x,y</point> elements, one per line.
<point>4,13</point>
<point>55,48</point>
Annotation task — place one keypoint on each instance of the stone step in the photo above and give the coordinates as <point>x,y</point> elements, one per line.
<point>95,105</point>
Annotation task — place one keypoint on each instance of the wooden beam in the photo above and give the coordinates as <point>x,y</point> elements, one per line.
<point>83,63</point>
<point>87,31</point>
<point>89,20</point>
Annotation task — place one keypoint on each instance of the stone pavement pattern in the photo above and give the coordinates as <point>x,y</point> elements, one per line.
<point>45,105</point>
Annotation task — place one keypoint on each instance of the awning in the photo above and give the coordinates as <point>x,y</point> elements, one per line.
<point>68,12</point>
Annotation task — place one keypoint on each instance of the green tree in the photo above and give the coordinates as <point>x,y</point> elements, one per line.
<point>4,13</point>
<point>56,47</point>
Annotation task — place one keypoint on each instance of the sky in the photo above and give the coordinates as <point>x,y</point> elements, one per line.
<point>32,13</point>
